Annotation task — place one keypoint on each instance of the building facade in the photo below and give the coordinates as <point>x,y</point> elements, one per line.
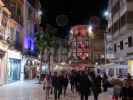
<point>120,24</point>
<point>31,26</point>
<point>12,34</point>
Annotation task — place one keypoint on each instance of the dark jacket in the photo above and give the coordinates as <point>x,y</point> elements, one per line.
<point>56,82</point>
<point>65,81</point>
<point>84,84</point>
<point>96,85</point>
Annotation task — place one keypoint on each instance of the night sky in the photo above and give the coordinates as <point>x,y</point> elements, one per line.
<point>75,11</point>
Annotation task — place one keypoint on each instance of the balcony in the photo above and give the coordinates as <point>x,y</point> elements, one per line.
<point>16,11</point>
<point>2,35</point>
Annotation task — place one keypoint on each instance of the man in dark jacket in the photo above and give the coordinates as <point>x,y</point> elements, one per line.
<point>84,86</point>
<point>65,83</point>
<point>57,84</point>
<point>96,85</point>
<point>72,81</point>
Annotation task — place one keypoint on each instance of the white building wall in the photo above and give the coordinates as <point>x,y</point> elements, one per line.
<point>124,32</point>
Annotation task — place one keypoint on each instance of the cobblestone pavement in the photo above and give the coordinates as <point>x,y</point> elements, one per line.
<point>30,90</point>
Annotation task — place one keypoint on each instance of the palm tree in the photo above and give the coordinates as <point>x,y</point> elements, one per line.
<point>44,41</point>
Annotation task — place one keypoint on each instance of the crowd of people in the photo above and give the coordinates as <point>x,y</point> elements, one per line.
<point>86,83</point>
<point>123,89</point>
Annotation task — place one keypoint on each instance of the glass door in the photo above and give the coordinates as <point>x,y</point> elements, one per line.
<point>14,69</point>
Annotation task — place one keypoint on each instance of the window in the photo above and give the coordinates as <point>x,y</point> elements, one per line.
<point>122,3</point>
<point>109,29</point>
<point>121,44</point>
<point>116,8</point>
<point>123,20</point>
<point>116,26</point>
<point>130,41</point>
<point>130,17</point>
<point>115,48</point>
<point>4,19</point>
<point>13,34</point>
<point>120,23</point>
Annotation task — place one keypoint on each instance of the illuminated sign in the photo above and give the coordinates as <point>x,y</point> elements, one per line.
<point>130,67</point>
<point>29,42</point>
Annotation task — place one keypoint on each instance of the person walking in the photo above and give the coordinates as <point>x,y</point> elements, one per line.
<point>57,84</point>
<point>72,81</point>
<point>47,85</point>
<point>129,86</point>
<point>124,92</point>
<point>105,82</point>
<point>117,84</point>
<point>65,83</point>
<point>84,86</point>
<point>77,78</point>
<point>96,85</point>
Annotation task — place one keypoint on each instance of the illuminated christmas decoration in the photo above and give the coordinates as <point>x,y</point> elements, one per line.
<point>81,46</point>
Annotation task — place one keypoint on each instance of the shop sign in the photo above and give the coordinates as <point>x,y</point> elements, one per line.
<point>109,46</point>
<point>130,67</point>
<point>14,54</point>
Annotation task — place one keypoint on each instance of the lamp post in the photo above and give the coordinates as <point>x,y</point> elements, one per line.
<point>40,13</point>
<point>91,36</point>
<point>106,15</point>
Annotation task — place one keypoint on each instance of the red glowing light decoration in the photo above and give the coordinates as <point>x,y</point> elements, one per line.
<point>83,56</point>
<point>80,32</point>
<point>82,45</point>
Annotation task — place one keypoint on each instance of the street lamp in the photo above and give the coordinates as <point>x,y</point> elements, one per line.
<point>91,36</point>
<point>90,31</point>
<point>71,31</point>
<point>40,13</point>
<point>106,14</point>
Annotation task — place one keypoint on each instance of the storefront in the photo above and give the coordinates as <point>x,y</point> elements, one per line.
<point>2,54</point>
<point>3,60</point>
<point>130,67</point>
<point>30,68</point>
<point>14,69</point>
<point>14,65</point>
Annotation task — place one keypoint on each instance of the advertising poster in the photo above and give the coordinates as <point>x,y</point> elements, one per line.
<point>109,46</point>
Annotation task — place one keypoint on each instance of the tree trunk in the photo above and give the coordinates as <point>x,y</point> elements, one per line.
<point>49,63</point>
<point>41,63</point>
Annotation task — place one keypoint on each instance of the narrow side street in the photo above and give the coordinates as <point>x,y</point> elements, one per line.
<point>30,90</point>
